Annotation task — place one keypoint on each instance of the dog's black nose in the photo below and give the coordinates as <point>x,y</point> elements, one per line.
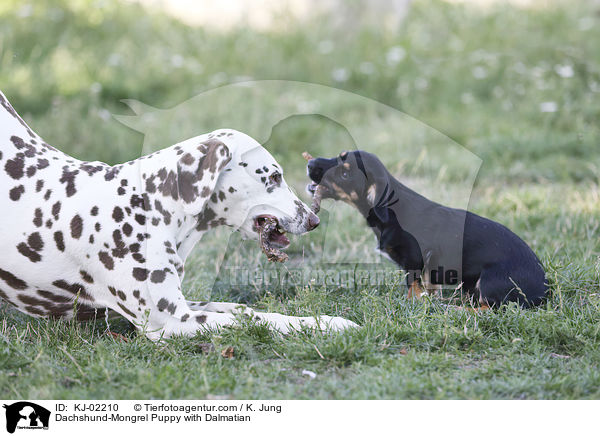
<point>313,222</point>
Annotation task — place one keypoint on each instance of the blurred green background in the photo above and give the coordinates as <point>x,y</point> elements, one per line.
<point>517,85</point>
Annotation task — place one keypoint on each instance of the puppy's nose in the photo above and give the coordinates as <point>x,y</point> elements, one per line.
<point>314,172</point>
<point>313,222</point>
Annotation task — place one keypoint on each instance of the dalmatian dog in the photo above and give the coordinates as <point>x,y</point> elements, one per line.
<point>83,238</point>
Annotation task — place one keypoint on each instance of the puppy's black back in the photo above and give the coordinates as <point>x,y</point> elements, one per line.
<point>505,266</point>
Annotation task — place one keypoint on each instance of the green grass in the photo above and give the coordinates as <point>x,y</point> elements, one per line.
<point>478,76</point>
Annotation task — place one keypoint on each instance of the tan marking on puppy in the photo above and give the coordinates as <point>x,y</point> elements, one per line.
<point>476,309</point>
<point>342,195</point>
<point>343,154</point>
<point>371,192</point>
<point>415,290</point>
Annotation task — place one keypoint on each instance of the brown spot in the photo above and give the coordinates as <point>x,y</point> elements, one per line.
<point>38,218</point>
<point>120,249</point>
<point>74,288</point>
<point>35,241</point>
<point>59,240</point>
<point>54,297</point>
<point>30,252</point>
<point>187,159</point>
<point>68,178</point>
<point>56,210</point>
<point>140,274</point>
<point>157,276</point>
<point>76,227</point>
<point>141,219</point>
<point>32,310</point>
<point>16,192</point>
<point>14,167</point>
<point>118,214</point>
<point>42,163</point>
<point>86,277</point>
<point>12,281</point>
<point>205,192</point>
<point>127,229</point>
<point>205,218</point>
<point>162,304</point>
<point>127,311</point>
<point>106,260</point>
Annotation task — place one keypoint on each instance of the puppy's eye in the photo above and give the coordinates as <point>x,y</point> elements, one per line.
<point>275,178</point>
<point>345,174</point>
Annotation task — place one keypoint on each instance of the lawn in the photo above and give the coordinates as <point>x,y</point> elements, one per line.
<point>493,108</point>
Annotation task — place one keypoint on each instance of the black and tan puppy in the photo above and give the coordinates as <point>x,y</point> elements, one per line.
<point>438,246</point>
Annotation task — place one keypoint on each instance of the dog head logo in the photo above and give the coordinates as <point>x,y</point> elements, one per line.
<point>26,415</point>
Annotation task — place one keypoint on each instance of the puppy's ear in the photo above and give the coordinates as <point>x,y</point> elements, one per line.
<point>197,174</point>
<point>380,197</point>
<point>382,213</point>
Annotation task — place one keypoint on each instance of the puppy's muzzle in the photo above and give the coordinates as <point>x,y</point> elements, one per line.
<point>315,171</point>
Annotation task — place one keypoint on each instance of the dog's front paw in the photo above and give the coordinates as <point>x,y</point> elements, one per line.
<point>289,324</point>
<point>325,323</point>
<point>335,323</point>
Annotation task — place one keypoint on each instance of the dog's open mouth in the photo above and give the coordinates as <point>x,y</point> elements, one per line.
<point>271,237</point>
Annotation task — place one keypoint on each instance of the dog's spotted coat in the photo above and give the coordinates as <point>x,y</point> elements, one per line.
<point>79,238</point>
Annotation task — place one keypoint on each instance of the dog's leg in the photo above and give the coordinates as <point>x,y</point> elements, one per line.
<point>287,324</point>
<point>415,290</point>
<point>276,321</point>
<point>169,314</point>
<point>163,325</point>
<point>220,307</point>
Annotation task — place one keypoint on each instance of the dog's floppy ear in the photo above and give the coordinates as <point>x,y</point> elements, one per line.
<point>377,199</point>
<point>379,194</point>
<point>382,213</point>
<point>197,174</point>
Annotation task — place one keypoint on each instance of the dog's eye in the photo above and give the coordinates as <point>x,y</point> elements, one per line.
<point>275,178</point>
<point>345,174</point>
